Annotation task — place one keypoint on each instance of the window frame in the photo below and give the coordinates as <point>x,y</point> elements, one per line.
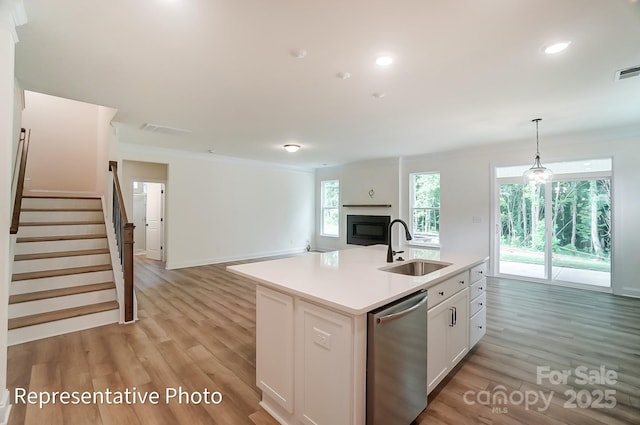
<point>324,208</point>
<point>412,208</point>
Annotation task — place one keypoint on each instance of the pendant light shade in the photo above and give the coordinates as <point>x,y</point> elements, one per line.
<point>537,174</point>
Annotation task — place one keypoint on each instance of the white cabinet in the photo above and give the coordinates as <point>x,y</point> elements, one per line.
<point>324,373</point>
<point>310,361</point>
<point>477,327</point>
<point>447,336</point>
<point>274,345</point>
<point>443,290</point>
<point>478,304</point>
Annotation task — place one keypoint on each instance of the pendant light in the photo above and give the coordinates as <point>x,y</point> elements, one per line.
<point>537,174</point>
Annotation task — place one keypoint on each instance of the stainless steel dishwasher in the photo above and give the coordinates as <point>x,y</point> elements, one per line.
<point>397,361</point>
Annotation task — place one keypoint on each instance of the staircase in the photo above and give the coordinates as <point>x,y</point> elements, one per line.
<point>62,275</point>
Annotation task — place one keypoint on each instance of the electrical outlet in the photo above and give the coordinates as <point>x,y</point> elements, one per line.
<point>322,338</point>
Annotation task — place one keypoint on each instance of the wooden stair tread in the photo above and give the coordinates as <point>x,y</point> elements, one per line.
<point>60,223</point>
<point>60,197</point>
<point>51,316</point>
<point>62,209</point>
<point>61,292</point>
<point>61,272</point>
<point>24,257</point>
<point>60,238</point>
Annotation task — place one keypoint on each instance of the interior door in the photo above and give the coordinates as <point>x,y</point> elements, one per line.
<point>154,221</point>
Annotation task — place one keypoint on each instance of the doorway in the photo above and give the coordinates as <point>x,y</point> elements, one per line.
<point>148,217</point>
<point>559,232</point>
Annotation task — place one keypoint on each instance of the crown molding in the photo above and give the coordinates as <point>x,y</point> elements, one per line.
<point>167,153</point>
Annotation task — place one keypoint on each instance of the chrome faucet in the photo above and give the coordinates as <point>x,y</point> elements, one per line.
<point>390,251</point>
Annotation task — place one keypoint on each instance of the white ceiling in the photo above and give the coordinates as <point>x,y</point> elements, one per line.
<point>466,72</point>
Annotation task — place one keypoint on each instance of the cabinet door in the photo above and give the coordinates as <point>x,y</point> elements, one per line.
<point>437,363</point>
<point>447,336</point>
<point>324,369</point>
<point>458,334</point>
<point>274,346</point>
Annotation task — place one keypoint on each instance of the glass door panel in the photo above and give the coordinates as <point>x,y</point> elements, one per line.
<point>523,230</point>
<point>581,237</point>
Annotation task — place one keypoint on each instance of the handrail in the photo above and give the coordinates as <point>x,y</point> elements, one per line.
<point>21,167</point>
<point>124,238</point>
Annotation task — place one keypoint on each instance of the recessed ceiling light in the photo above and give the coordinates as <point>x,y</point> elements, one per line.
<point>384,60</point>
<point>291,147</point>
<point>299,53</point>
<point>556,47</point>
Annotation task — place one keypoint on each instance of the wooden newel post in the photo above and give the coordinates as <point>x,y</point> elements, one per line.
<point>128,271</point>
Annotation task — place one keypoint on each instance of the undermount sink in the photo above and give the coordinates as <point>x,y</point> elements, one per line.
<point>416,267</point>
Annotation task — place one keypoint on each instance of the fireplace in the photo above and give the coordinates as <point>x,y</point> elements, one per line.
<point>368,229</point>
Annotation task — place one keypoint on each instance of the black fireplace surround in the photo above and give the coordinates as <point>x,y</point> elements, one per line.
<point>368,229</point>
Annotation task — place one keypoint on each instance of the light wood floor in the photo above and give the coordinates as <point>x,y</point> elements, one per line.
<point>197,331</point>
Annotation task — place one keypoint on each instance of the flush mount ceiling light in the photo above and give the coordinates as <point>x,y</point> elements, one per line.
<point>384,60</point>
<point>298,53</point>
<point>290,147</point>
<point>556,47</point>
<point>537,174</point>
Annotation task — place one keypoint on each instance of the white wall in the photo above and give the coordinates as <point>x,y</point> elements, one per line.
<point>7,91</point>
<point>220,209</point>
<point>466,192</point>
<point>69,146</point>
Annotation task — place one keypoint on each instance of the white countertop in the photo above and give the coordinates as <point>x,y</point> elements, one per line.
<point>350,280</point>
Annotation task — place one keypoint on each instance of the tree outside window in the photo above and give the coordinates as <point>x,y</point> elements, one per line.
<point>330,200</point>
<point>425,208</point>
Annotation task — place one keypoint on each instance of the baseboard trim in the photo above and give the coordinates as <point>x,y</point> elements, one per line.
<point>205,262</point>
<point>629,292</point>
<point>5,407</point>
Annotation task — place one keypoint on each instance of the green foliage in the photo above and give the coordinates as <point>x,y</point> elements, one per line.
<point>580,216</point>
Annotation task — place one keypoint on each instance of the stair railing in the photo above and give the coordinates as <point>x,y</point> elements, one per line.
<point>124,237</point>
<point>17,182</point>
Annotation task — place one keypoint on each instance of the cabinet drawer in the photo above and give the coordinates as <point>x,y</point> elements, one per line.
<point>478,288</point>
<point>477,326</point>
<point>444,290</point>
<point>478,272</point>
<point>478,303</point>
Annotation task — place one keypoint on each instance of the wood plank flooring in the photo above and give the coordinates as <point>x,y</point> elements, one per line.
<point>197,331</point>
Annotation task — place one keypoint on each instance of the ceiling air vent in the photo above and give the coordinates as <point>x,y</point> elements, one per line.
<point>623,74</point>
<point>157,128</point>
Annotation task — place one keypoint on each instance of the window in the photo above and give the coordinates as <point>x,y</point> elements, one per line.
<point>425,208</point>
<point>330,199</point>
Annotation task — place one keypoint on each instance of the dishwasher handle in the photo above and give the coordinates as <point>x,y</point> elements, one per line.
<point>394,316</point>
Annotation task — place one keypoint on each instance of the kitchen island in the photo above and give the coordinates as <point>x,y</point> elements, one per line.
<point>311,325</point>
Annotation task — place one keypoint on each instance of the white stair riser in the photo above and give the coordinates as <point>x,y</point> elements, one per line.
<point>48,283</point>
<point>60,230</point>
<point>60,303</point>
<point>56,216</point>
<point>60,246</point>
<point>59,327</point>
<point>61,203</point>
<point>59,263</point>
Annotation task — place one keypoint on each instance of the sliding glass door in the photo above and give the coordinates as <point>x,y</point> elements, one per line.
<point>560,231</point>
<point>522,241</point>
<point>582,231</point>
